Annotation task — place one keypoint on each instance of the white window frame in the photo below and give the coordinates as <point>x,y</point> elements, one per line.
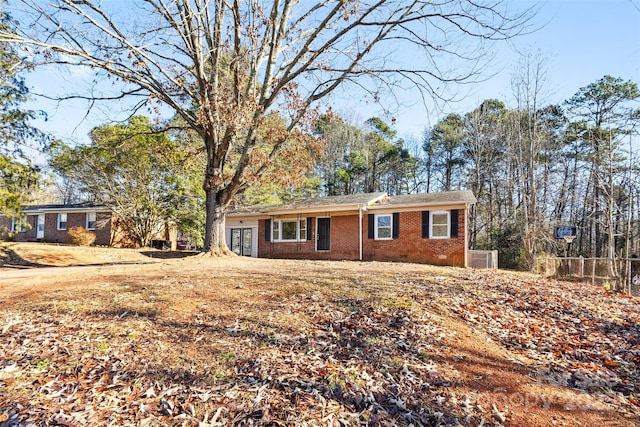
<point>19,226</point>
<point>59,221</point>
<point>433,225</point>
<point>88,224</point>
<point>277,229</point>
<point>377,227</point>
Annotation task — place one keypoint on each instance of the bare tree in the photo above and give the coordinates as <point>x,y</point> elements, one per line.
<point>225,65</point>
<point>529,149</point>
<point>484,149</point>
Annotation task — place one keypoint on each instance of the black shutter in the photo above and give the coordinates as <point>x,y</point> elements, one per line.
<point>454,222</point>
<point>395,228</point>
<point>267,230</point>
<point>309,222</point>
<point>371,225</point>
<point>425,224</point>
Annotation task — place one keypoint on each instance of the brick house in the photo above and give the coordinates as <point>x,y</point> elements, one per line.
<point>50,223</point>
<point>425,228</point>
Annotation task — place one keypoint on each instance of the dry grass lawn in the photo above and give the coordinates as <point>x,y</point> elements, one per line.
<point>135,340</point>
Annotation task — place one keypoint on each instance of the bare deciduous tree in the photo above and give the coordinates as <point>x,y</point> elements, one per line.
<point>225,65</point>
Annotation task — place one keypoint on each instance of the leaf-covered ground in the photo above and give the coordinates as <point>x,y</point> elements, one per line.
<point>213,342</point>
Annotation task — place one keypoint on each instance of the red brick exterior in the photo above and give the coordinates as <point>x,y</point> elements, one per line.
<point>410,246</point>
<point>5,226</point>
<point>51,232</point>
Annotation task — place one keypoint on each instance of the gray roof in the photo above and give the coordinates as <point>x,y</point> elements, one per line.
<point>314,204</point>
<point>63,207</point>
<point>356,201</point>
<point>361,199</point>
<point>463,196</point>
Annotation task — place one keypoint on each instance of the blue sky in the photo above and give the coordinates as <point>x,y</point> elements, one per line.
<point>581,41</point>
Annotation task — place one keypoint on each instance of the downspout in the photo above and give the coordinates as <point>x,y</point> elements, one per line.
<point>466,235</point>
<point>360,217</point>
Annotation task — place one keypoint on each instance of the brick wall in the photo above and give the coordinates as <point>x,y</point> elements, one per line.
<point>30,233</point>
<point>343,242</point>
<point>103,228</point>
<point>53,235</point>
<point>51,232</point>
<point>409,246</point>
<point>20,236</point>
<point>5,226</point>
<point>294,250</point>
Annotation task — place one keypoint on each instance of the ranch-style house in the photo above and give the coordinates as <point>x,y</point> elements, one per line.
<point>426,228</point>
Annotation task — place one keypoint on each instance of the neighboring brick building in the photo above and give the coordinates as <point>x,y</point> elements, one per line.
<point>51,223</point>
<point>426,228</point>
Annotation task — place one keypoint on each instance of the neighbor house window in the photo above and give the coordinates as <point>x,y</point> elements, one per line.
<point>289,230</point>
<point>384,227</point>
<point>19,224</point>
<point>62,221</point>
<point>440,225</point>
<point>91,220</point>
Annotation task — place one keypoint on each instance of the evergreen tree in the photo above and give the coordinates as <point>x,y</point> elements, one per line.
<point>17,173</point>
<point>144,176</point>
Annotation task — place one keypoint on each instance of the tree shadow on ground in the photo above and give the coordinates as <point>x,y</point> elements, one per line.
<point>10,259</point>
<point>169,254</point>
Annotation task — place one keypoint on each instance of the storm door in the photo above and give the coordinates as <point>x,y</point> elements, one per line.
<point>40,227</point>
<point>324,234</point>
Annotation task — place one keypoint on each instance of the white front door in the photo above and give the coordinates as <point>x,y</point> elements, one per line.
<point>40,227</point>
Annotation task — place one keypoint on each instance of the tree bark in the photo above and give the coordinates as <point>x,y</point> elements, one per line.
<point>214,239</point>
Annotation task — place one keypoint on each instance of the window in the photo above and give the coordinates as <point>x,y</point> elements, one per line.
<point>91,220</point>
<point>19,224</point>
<point>62,221</point>
<point>289,230</point>
<point>302,229</point>
<point>440,225</point>
<point>384,227</point>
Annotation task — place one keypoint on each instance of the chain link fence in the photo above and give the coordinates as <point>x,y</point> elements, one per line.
<point>620,274</point>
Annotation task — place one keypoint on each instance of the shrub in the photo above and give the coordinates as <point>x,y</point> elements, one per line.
<point>81,236</point>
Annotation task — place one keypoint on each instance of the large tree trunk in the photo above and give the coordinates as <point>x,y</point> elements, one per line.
<point>214,238</point>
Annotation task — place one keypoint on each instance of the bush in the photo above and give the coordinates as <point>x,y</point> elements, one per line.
<point>81,236</point>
